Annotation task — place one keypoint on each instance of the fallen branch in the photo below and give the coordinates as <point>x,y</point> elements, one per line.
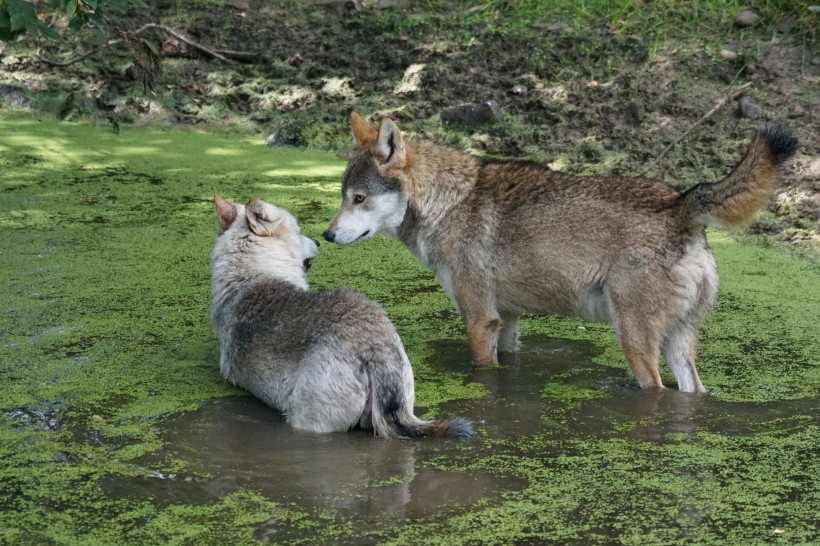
<point>239,55</point>
<point>221,54</point>
<point>182,38</point>
<point>708,114</point>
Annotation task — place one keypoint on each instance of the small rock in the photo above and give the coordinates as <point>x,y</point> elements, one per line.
<point>728,54</point>
<point>747,18</point>
<point>787,24</point>
<point>751,68</point>
<point>472,114</point>
<point>556,26</point>
<point>748,108</point>
<point>12,97</point>
<point>816,61</point>
<point>798,111</point>
<point>517,90</point>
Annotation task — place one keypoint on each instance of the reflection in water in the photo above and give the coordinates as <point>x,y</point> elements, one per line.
<point>245,444</point>
<point>617,407</point>
<point>241,443</point>
<point>515,405</point>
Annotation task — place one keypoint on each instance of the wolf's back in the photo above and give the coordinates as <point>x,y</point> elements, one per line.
<point>734,200</point>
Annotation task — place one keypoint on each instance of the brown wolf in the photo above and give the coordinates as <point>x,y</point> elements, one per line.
<point>328,360</point>
<point>509,237</point>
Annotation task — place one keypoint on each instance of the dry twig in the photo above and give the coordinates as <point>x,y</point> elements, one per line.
<point>185,39</point>
<point>708,114</point>
<point>222,55</point>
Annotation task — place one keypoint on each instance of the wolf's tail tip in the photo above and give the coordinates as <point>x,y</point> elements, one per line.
<point>459,427</point>
<point>782,143</point>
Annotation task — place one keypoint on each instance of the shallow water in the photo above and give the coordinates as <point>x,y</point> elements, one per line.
<point>243,443</point>
<point>551,389</point>
<point>105,346</point>
<point>602,400</point>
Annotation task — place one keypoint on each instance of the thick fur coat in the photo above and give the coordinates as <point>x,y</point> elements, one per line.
<point>328,360</point>
<point>509,237</point>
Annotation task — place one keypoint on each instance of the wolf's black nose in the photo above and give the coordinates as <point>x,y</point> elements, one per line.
<point>329,235</point>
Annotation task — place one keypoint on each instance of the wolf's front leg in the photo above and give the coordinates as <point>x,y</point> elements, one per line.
<point>483,321</point>
<point>483,337</point>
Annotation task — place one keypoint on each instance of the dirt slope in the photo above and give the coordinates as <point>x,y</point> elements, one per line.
<point>584,99</point>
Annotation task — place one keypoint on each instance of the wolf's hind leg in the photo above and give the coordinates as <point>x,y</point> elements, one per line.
<point>508,338</point>
<point>678,348</point>
<point>640,339</point>
<point>329,395</point>
<point>695,283</point>
<point>642,356</point>
<point>640,310</point>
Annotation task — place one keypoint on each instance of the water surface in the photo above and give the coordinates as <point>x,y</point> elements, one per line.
<point>551,395</point>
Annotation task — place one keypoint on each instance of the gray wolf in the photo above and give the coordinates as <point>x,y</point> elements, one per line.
<point>510,237</point>
<point>328,360</point>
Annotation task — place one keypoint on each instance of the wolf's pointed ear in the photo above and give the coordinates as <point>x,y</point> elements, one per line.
<point>225,212</point>
<point>363,132</point>
<point>390,146</point>
<point>263,218</point>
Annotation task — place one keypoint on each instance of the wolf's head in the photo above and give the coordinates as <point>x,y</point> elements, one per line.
<point>372,196</point>
<point>260,241</point>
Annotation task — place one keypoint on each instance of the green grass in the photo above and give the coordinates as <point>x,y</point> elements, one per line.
<point>104,268</point>
<point>658,25</point>
<point>664,18</point>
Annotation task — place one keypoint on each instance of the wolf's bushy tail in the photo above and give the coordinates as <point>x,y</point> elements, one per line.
<point>734,200</point>
<point>392,397</point>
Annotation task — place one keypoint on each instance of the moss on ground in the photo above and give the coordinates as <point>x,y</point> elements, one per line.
<point>104,263</point>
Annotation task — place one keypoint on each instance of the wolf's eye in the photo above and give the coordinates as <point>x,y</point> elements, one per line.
<point>358,198</point>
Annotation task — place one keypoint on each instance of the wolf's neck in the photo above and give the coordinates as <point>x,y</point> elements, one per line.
<point>229,285</point>
<point>438,180</point>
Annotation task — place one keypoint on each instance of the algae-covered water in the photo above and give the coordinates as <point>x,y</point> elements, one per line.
<point>116,428</point>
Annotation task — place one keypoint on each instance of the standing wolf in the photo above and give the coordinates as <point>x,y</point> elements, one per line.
<point>509,237</point>
<point>328,360</point>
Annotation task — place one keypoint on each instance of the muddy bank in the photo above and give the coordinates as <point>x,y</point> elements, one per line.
<point>584,95</point>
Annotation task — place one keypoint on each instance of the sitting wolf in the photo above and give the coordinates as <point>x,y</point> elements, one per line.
<point>328,360</point>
